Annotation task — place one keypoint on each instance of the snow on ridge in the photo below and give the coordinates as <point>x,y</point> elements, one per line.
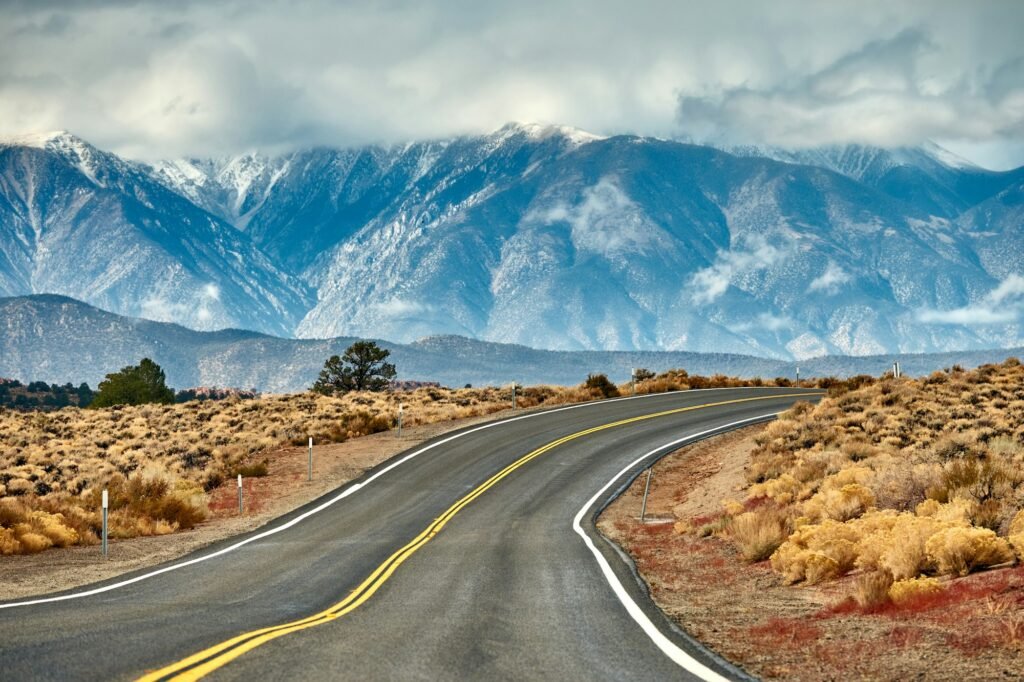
<point>38,140</point>
<point>542,131</point>
<point>946,157</point>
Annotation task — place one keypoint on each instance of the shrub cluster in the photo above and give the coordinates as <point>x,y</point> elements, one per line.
<point>900,479</point>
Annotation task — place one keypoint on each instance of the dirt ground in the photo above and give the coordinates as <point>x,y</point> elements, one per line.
<point>285,488</point>
<point>974,630</point>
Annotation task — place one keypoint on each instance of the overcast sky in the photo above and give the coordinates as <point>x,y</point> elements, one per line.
<point>151,79</point>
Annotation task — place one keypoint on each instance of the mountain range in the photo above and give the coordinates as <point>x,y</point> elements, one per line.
<point>543,236</point>
<point>58,339</point>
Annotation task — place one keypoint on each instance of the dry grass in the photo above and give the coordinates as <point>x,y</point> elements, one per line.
<point>758,533</point>
<point>159,460</point>
<point>901,479</point>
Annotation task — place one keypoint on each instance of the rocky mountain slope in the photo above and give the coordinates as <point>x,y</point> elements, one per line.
<point>78,221</point>
<point>544,236</point>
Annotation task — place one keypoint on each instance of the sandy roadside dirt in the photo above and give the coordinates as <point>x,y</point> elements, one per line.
<point>745,613</point>
<point>285,488</point>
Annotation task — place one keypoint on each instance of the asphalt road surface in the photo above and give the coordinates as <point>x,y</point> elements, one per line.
<point>461,562</point>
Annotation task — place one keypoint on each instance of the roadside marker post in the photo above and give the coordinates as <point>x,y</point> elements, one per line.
<point>401,409</point>
<point>513,395</point>
<point>239,493</point>
<point>310,467</point>
<point>798,374</point>
<point>105,504</point>
<point>647,488</point>
<point>632,381</point>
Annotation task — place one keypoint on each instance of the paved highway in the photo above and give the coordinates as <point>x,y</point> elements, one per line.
<point>472,557</point>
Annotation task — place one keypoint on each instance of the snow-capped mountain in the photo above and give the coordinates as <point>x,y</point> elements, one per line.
<point>78,221</point>
<point>554,238</point>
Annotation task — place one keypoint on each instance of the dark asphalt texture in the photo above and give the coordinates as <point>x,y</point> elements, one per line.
<point>506,591</point>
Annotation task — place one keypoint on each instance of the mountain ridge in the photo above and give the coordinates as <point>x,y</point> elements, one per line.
<point>58,339</point>
<point>542,235</point>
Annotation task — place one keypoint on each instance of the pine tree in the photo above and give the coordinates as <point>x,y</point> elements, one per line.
<point>134,385</point>
<point>361,368</point>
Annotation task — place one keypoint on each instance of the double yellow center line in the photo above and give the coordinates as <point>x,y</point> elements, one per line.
<point>206,661</point>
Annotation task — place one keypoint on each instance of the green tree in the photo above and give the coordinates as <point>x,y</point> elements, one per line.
<point>643,374</point>
<point>361,368</point>
<point>134,385</point>
<point>600,385</point>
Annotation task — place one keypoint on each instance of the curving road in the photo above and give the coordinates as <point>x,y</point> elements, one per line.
<point>459,560</point>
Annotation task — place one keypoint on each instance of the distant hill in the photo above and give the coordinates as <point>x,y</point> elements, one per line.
<point>58,339</point>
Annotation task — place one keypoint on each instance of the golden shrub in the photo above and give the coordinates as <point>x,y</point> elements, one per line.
<point>30,542</point>
<point>758,533</point>
<point>783,489</point>
<point>960,550</point>
<point>802,556</point>
<point>818,567</point>
<point>1016,534</point>
<point>8,542</point>
<point>872,588</point>
<point>732,507</point>
<point>905,590</point>
<point>842,504</point>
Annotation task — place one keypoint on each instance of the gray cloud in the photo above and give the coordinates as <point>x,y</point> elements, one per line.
<point>152,78</point>
<point>885,93</point>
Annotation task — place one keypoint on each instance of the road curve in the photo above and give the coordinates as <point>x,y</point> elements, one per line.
<point>461,562</point>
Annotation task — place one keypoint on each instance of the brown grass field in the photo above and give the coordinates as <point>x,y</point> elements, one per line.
<point>162,463</point>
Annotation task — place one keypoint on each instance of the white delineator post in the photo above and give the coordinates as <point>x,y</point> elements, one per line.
<point>647,488</point>
<point>798,374</point>
<point>239,493</point>
<point>513,395</point>
<point>105,504</point>
<point>401,410</point>
<point>309,477</point>
<point>632,381</point>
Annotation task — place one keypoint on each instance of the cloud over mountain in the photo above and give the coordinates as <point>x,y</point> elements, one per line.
<point>151,79</point>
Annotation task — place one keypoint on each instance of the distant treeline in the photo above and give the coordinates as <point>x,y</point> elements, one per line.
<point>40,396</point>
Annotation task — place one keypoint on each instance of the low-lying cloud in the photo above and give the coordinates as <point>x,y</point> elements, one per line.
<point>754,254</point>
<point>831,280</point>
<point>1003,305</point>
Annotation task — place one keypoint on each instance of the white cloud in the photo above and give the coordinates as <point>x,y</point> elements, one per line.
<point>754,255</point>
<point>831,280</point>
<point>152,79</point>
<point>605,221</point>
<point>397,307</point>
<point>1002,305</point>
<point>766,322</point>
<point>163,310</point>
<point>187,310</point>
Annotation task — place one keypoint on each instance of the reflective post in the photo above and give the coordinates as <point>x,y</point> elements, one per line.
<point>310,467</point>
<point>105,504</point>
<point>239,493</point>
<point>647,488</point>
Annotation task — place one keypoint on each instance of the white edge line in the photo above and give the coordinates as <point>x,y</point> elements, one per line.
<point>680,657</point>
<point>343,494</point>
